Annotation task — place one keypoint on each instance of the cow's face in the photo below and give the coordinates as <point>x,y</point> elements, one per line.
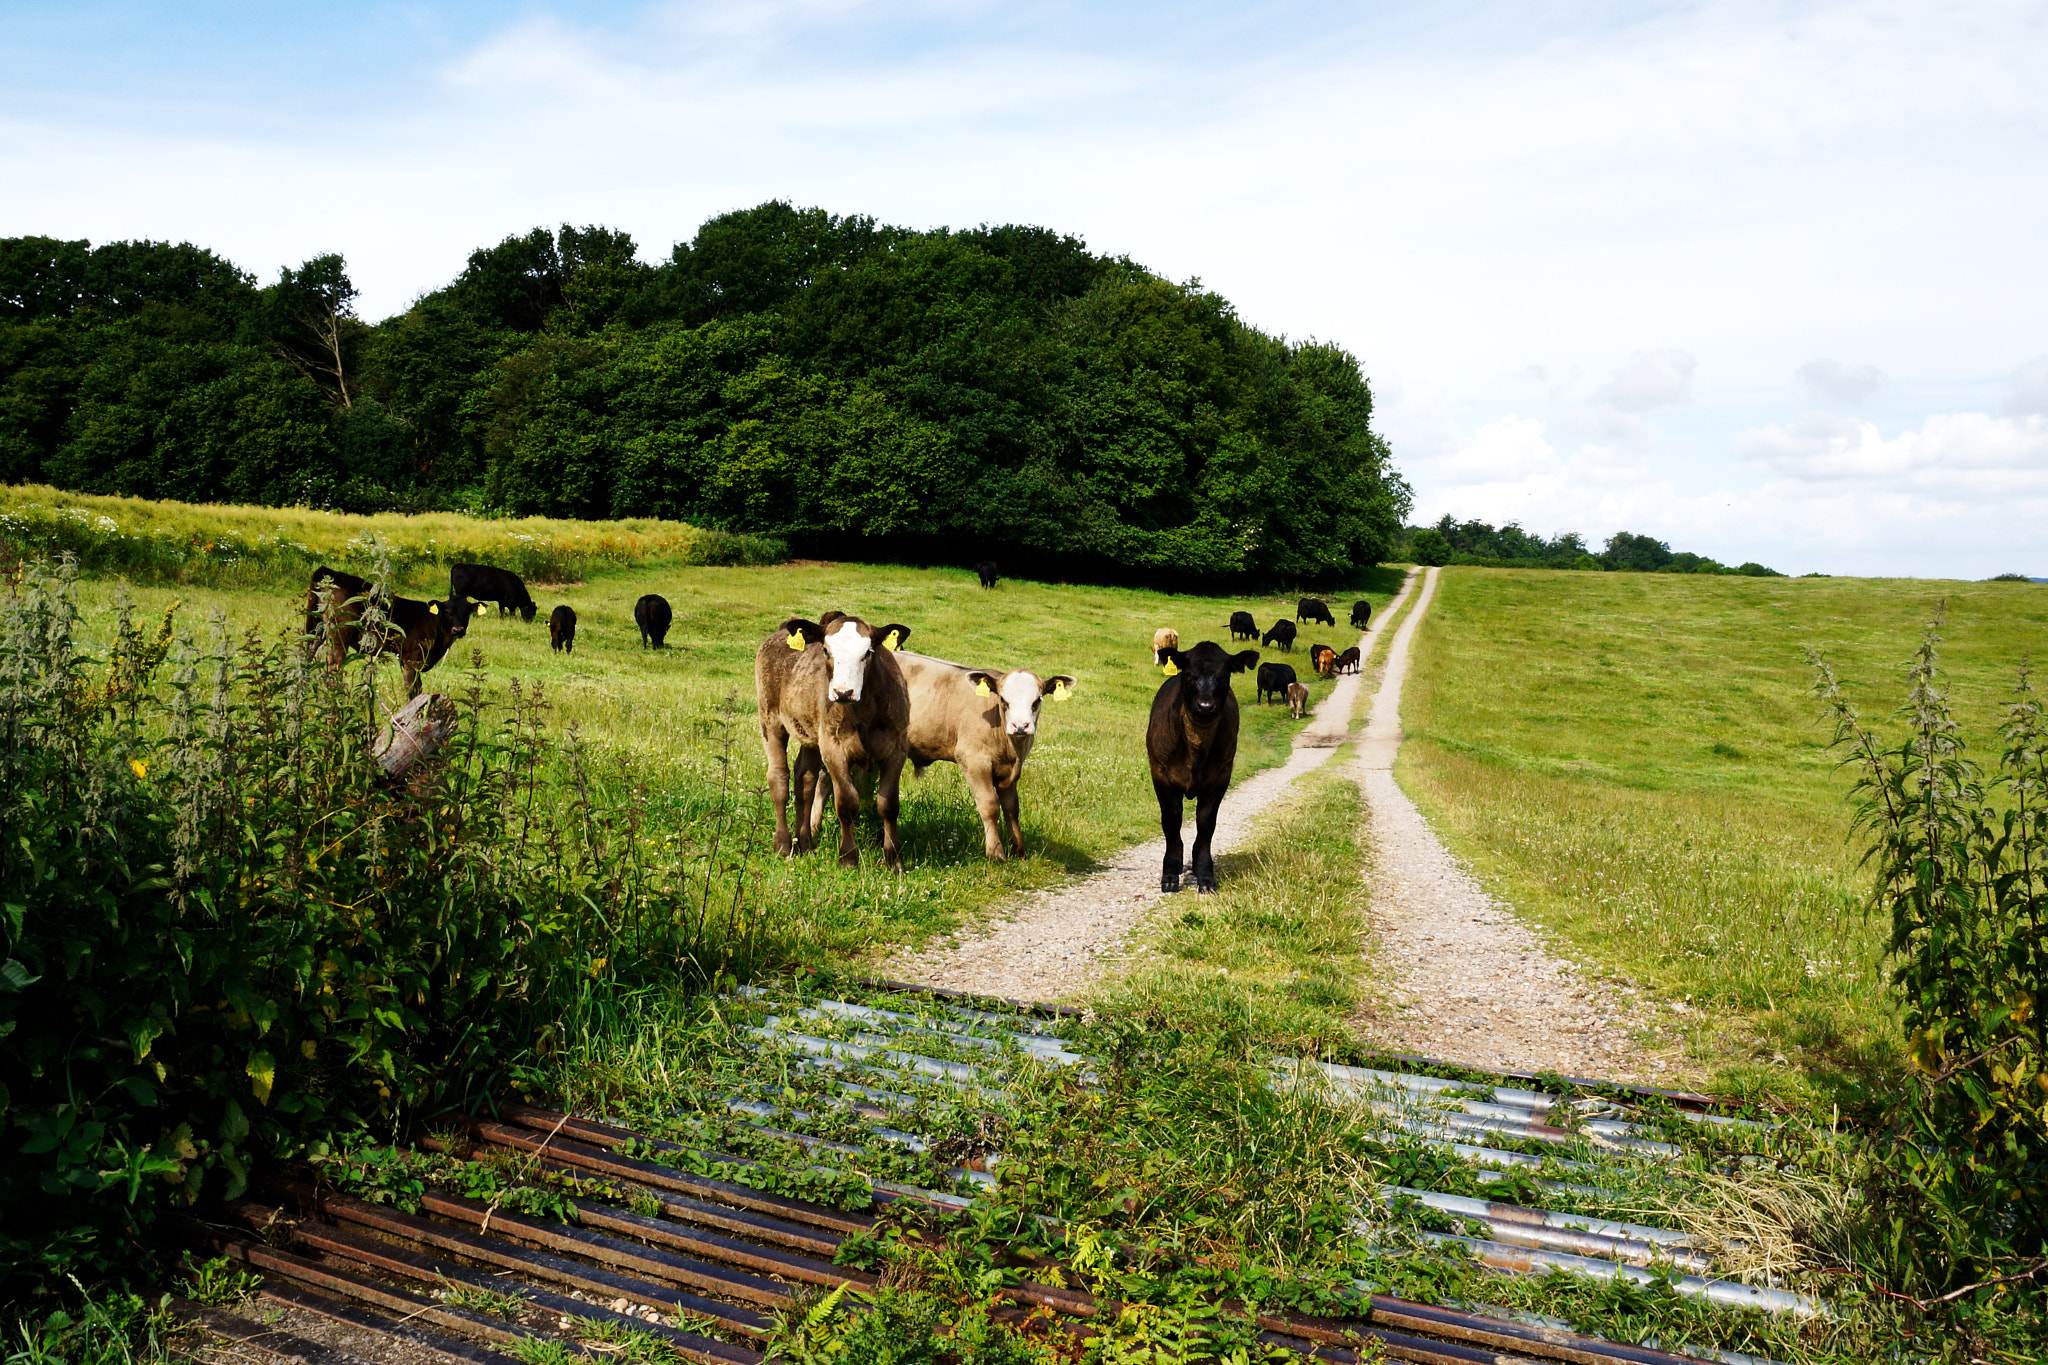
<point>452,612</point>
<point>1020,694</point>
<point>1205,676</point>
<point>850,646</point>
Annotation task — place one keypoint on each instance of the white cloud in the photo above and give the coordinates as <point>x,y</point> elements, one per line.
<point>1510,449</point>
<point>2029,397</point>
<point>1650,379</point>
<point>1964,457</point>
<point>1834,382</point>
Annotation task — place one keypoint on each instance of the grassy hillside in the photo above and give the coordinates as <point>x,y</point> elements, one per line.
<point>678,712</point>
<point>1635,760</point>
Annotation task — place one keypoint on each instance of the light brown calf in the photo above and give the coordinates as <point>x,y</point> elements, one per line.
<point>1164,639</point>
<point>984,721</point>
<point>1297,700</point>
<point>834,687</point>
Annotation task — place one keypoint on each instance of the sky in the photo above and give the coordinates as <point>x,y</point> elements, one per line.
<point>1766,281</point>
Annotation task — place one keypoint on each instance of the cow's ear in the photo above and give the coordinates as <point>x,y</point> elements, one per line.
<point>1060,687</point>
<point>434,607</point>
<point>802,632</point>
<point>985,684</point>
<point>825,621</point>
<point>1245,661</point>
<point>893,636</point>
<point>1176,662</point>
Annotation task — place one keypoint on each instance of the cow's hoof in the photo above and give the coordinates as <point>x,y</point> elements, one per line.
<point>1169,884</point>
<point>1203,888</point>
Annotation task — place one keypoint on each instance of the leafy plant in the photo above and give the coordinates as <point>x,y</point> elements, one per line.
<point>219,1281</point>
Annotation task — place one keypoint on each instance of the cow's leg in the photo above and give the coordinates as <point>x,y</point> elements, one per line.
<point>981,782</point>
<point>1008,797</point>
<point>1169,825</point>
<point>812,786</point>
<point>846,804</point>
<point>1206,809</point>
<point>775,743</point>
<point>889,780</point>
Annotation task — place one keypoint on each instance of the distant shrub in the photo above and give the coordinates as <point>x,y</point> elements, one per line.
<point>2009,578</point>
<point>1431,548</point>
<point>1587,562</point>
<point>1752,569</point>
<point>727,548</point>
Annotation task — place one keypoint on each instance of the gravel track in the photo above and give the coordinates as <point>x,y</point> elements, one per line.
<point>1465,980</point>
<point>1050,945</point>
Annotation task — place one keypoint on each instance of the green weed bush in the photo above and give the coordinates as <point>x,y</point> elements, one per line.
<point>225,935</point>
<point>1961,862</point>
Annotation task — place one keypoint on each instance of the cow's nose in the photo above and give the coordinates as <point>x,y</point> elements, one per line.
<point>842,694</point>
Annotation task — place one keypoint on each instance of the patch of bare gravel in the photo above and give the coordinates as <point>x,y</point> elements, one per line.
<point>1051,945</point>
<point>1465,980</point>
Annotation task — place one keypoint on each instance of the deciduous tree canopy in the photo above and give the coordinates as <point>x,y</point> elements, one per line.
<point>853,387</point>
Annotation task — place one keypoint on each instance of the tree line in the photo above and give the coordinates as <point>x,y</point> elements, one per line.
<point>851,387</point>
<point>1451,541</point>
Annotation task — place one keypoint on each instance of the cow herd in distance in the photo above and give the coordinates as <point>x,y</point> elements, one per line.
<point>859,706</point>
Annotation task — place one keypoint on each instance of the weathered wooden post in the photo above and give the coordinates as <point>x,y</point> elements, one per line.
<point>416,730</point>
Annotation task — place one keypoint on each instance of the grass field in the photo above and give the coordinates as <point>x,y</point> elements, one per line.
<point>1634,760</point>
<point>676,713</point>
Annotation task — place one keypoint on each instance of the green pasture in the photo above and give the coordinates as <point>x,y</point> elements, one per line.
<point>678,714</point>
<point>1635,761</point>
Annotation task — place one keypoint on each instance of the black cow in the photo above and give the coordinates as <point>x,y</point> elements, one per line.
<point>419,633</point>
<point>1282,633</point>
<point>652,615</point>
<point>562,629</point>
<point>1361,614</point>
<point>1275,678</point>
<point>482,583</point>
<point>1191,741</point>
<point>1243,626</point>
<point>1347,662</point>
<point>987,570</point>
<point>1313,609</point>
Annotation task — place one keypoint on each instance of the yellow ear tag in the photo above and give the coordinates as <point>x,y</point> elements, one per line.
<point>796,639</point>
<point>434,607</point>
<point>1060,691</point>
<point>981,688</point>
<point>1169,668</point>
<point>889,641</point>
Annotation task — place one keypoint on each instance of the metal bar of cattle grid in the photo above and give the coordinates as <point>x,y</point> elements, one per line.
<point>1522,1260</point>
<point>401,1333</point>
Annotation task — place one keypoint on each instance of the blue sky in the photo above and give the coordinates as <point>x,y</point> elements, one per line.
<point>1765,280</point>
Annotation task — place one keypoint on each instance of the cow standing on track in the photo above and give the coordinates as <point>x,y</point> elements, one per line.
<point>652,615</point>
<point>1347,662</point>
<point>1282,634</point>
<point>1191,742</point>
<point>419,633</point>
<point>836,689</point>
<point>562,629</point>
<point>1276,679</point>
<point>986,722</point>
<point>482,583</point>
<point>1243,626</point>
<point>986,571</point>
<point>1164,640</point>
<point>1361,614</point>
<point>1314,609</point>
<point>1297,701</point>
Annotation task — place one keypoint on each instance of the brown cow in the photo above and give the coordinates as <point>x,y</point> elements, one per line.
<point>419,633</point>
<point>1191,740</point>
<point>1297,700</point>
<point>832,686</point>
<point>984,721</point>
<point>1323,660</point>
<point>1164,639</point>
<point>1347,662</point>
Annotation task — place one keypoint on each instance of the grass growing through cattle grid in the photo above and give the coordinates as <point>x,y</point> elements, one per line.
<point>682,714</point>
<point>1635,762</point>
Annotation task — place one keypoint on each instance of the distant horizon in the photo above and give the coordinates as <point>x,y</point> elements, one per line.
<point>1763,278</point>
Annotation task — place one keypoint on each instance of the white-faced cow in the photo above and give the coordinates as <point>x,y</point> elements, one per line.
<point>985,721</point>
<point>834,686</point>
<point>1191,741</point>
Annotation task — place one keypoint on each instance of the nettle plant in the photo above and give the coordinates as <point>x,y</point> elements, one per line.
<point>226,935</point>
<point>1961,863</point>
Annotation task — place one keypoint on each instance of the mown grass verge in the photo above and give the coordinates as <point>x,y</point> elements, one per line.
<point>1637,763</point>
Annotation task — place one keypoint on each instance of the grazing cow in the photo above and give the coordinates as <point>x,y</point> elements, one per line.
<point>1322,659</point>
<point>986,570</point>
<point>1281,633</point>
<point>482,583</point>
<point>652,615</point>
<point>419,633</point>
<point>1276,679</point>
<point>1164,639</point>
<point>1191,741</point>
<point>1347,662</point>
<point>1361,614</point>
<point>1313,609</point>
<point>832,686</point>
<point>986,722</point>
<point>562,629</point>
<point>1243,626</point>
<point>1297,701</point>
